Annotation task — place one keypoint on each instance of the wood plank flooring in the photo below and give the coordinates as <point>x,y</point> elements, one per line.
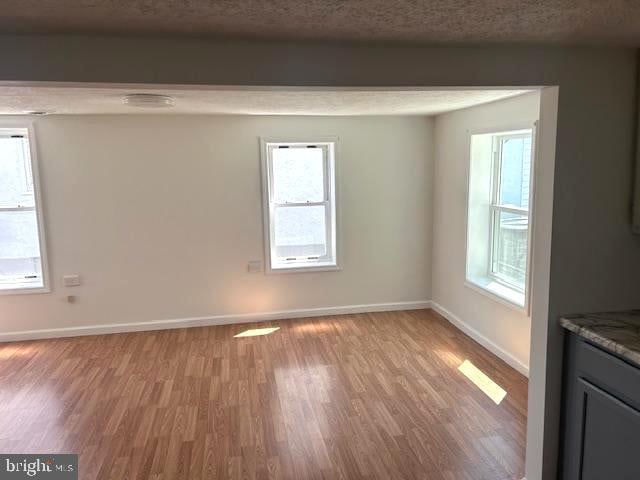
<point>345,397</point>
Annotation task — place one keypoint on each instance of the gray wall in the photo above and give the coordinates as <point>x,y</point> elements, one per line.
<point>595,257</point>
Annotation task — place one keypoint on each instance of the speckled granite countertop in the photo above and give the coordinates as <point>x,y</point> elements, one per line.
<point>615,331</point>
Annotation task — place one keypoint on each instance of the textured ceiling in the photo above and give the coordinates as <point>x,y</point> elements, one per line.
<point>82,100</point>
<point>614,22</point>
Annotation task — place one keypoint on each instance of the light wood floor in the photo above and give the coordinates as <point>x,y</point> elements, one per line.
<point>358,396</point>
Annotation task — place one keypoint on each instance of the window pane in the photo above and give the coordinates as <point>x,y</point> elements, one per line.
<point>510,248</point>
<point>515,171</point>
<point>300,231</point>
<point>20,264</point>
<point>19,248</point>
<point>15,170</point>
<point>298,175</point>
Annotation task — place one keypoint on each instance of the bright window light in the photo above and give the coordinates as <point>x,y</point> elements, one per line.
<point>490,388</point>
<point>498,223</point>
<point>256,332</point>
<point>299,205</point>
<point>21,256</point>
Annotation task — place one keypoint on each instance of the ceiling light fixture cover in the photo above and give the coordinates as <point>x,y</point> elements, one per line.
<point>148,100</point>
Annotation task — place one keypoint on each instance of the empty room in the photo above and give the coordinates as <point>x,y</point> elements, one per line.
<point>270,292</point>
<point>236,245</point>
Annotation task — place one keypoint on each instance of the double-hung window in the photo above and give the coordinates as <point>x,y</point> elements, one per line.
<point>498,229</point>
<point>299,195</point>
<point>510,209</point>
<point>21,242</point>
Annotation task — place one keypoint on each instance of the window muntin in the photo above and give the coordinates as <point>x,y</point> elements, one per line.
<point>300,200</point>
<point>20,243</point>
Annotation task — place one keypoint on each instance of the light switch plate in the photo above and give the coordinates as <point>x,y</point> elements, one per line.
<point>71,280</point>
<point>254,266</point>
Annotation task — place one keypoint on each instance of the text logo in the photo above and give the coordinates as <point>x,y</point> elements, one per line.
<point>46,467</point>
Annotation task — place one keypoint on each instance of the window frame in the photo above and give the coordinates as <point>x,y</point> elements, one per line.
<point>331,261</point>
<point>27,129</point>
<point>486,285</point>
<point>496,207</point>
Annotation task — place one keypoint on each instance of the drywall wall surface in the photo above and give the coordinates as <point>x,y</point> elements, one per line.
<point>506,327</point>
<point>160,215</point>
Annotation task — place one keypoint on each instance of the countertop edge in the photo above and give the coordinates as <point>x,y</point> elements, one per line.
<point>593,336</point>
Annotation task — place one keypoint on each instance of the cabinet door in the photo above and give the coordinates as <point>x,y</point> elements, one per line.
<point>610,436</point>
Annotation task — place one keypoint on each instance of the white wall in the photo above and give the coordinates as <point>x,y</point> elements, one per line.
<point>160,214</point>
<point>505,327</point>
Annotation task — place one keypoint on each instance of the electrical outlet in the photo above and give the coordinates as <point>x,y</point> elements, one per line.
<point>71,280</point>
<point>254,266</point>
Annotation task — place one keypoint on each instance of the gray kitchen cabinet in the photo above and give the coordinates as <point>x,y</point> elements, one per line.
<point>601,414</point>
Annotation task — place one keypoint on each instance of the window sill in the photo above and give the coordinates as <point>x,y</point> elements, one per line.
<point>499,292</point>
<point>317,267</point>
<point>23,289</point>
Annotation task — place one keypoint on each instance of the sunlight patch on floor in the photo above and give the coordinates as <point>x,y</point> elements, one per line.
<point>490,388</point>
<point>19,351</point>
<point>448,357</point>
<point>313,327</point>
<point>256,332</point>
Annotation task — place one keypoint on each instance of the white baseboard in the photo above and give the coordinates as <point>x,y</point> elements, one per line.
<point>481,339</point>
<point>208,321</point>
<point>262,317</point>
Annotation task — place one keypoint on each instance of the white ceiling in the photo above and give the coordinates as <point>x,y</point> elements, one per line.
<point>255,101</point>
